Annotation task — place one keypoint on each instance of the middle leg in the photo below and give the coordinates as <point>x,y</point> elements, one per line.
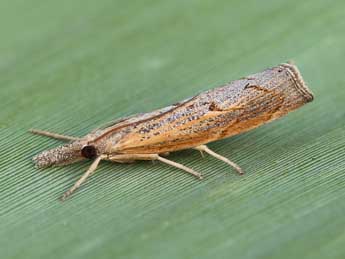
<point>204,148</point>
<point>131,157</point>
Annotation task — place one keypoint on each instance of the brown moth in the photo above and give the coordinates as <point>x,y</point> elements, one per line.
<point>222,112</point>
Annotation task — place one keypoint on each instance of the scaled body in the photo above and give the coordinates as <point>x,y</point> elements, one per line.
<point>222,112</point>
<point>218,113</point>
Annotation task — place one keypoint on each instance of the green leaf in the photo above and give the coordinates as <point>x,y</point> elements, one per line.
<point>70,66</point>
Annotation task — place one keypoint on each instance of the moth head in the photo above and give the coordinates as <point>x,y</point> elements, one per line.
<point>66,154</point>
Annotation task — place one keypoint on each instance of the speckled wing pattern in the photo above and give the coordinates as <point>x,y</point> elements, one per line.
<point>222,112</point>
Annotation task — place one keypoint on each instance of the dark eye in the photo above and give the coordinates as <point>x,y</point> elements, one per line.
<point>89,152</point>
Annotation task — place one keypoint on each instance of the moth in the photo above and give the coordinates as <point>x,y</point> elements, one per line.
<point>219,113</point>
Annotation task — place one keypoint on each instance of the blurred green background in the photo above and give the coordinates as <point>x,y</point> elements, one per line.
<point>69,66</point>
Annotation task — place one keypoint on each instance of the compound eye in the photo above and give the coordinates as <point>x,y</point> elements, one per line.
<point>89,151</point>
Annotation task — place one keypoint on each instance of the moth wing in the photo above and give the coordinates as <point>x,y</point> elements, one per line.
<point>137,117</point>
<point>115,122</point>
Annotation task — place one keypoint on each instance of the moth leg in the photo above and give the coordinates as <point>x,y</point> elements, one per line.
<point>182,167</point>
<point>202,153</point>
<point>204,148</point>
<point>53,135</point>
<point>82,179</point>
<point>131,157</point>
